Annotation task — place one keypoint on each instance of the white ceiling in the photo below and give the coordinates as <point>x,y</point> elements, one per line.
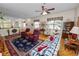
<point>26,10</point>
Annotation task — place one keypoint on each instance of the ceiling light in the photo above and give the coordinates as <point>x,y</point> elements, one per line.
<point>44,13</point>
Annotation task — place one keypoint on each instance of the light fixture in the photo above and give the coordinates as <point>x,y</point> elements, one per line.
<point>75,30</point>
<point>44,13</point>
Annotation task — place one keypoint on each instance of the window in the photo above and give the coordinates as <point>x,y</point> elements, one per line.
<point>58,24</point>
<point>36,24</point>
<point>54,24</point>
<point>50,24</point>
<point>6,24</point>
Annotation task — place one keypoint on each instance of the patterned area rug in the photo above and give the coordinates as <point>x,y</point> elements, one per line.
<point>24,45</point>
<point>10,48</point>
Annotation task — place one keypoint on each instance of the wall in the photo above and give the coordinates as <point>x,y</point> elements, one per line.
<point>68,15</point>
<point>77,12</point>
<point>4,32</point>
<point>78,22</point>
<point>76,15</point>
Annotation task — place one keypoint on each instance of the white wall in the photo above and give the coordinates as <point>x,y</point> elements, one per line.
<point>77,12</point>
<point>68,15</point>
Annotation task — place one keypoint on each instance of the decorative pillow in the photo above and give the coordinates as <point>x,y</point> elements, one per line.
<point>41,48</point>
<point>52,38</point>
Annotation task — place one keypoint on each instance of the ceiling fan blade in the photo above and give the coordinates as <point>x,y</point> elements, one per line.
<point>48,12</point>
<point>51,9</point>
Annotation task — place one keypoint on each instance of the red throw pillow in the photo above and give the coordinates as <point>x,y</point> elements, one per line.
<point>51,38</point>
<point>40,48</point>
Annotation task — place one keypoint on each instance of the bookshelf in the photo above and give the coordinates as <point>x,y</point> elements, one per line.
<point>68,26</point>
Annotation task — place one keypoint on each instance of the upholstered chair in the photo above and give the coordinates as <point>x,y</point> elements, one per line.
<point>35,36</point>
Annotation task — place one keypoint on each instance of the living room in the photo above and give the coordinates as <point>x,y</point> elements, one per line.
<point>39,29</point>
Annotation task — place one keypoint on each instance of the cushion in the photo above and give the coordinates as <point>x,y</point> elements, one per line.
<point>27,29</point>
<point>52,38</point>
<point>36,31</point>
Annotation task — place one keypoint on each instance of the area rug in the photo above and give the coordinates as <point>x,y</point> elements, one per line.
<point>24,45</point>
<point>10,48</point>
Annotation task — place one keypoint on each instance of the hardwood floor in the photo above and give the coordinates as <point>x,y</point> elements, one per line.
<point>6,51</point>
<point>62,51</point>
<point>65,51</point>
<point>3,47</point>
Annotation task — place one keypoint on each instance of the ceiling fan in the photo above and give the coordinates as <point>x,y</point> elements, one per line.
<point>45,10</point>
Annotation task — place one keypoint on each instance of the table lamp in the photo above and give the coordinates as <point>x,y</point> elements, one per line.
<point>75,30</point>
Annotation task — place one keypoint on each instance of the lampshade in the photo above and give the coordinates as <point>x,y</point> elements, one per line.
<point>75,30</point>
